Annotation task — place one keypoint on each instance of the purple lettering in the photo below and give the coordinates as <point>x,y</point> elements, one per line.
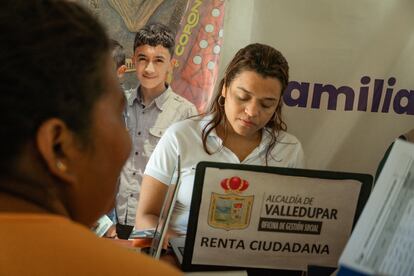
<point>379,84</point>
<point>388,95</point>
<point>409,108</point>
<point>363,94</point>
<point>298,93</point>
<point>303,89</point>
<point>333,96</point>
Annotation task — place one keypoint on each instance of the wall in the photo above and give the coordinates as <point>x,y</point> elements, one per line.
<point>336,43</point>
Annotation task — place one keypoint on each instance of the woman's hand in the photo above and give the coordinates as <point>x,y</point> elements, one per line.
<point>142,242</point>
<point>146,242</point>
<point>111,233</point>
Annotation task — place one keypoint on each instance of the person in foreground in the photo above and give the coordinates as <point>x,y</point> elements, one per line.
<point>244,125</point>
<point>63,144</point>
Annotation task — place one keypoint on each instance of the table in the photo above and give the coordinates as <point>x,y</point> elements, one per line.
<point>168,258</point>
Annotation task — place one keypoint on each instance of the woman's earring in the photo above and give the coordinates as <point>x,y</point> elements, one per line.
<point>221,100</point>
<point>61,166</point>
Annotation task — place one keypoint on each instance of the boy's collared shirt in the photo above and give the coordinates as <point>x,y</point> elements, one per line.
<point>146,125</point>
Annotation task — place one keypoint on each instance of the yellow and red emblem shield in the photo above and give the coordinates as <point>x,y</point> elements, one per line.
<point>231,210</point>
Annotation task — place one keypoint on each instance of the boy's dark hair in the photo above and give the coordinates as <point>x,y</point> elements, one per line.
<point>118,53</point>
<point>53,56</point>
<point>155,34</point>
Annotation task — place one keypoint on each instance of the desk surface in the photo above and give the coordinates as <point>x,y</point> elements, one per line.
<point>168,258</point>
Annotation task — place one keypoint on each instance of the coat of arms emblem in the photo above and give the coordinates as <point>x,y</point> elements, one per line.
<point>231,210</point>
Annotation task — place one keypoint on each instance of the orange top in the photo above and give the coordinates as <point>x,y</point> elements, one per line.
<point>33,244</point>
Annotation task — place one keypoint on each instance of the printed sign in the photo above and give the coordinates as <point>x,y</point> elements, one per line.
<point>265,220</point>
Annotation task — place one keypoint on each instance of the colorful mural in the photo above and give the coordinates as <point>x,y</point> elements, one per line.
<point>199,28</point>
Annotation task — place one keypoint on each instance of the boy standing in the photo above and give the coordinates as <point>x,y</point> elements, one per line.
<point>151,108</point>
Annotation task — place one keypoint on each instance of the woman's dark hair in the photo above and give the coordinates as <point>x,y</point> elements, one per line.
<point>155,34</point>
<point>265,61</point>
<point>52,60</point>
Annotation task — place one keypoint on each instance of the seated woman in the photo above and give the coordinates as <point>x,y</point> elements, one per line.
<point>63,144</point>
<point>244,125</point>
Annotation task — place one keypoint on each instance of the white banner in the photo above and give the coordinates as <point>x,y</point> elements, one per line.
<point>351,90</point>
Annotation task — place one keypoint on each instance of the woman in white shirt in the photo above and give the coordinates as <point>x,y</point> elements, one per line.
<point>243,125</point>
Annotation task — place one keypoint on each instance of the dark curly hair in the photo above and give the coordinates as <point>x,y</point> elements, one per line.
<point>52,57</point>
<point>155,34</point>
<point>265,61</point>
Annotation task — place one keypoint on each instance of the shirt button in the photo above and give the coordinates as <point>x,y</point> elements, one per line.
<point>139,132</point>
<point>136,153</point>
<point>143,112</point>
<point>133,173</point>
<point>131,195</point>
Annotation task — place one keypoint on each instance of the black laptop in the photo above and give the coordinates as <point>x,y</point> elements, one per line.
<point>269,220</point>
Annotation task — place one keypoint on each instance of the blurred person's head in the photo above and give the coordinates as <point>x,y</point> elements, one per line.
<point>119,57</point>
<point>153,51</point>
<point>249,96</point>
<point>62,138</point>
